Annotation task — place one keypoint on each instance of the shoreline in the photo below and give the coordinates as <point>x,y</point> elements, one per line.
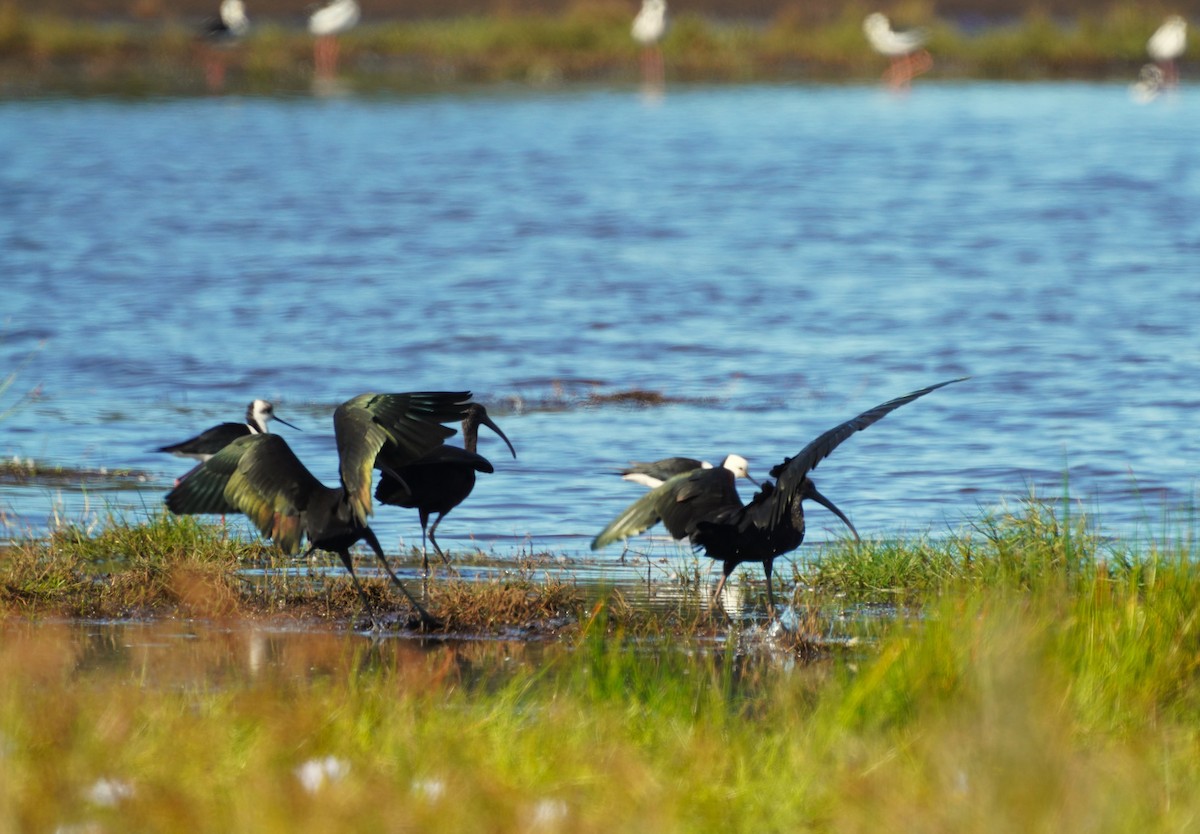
<point>43,55</point>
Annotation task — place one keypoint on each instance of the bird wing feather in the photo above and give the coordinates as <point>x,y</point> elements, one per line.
<point>257,475</point>
<point>407,426</point>
<point>790,474</point>
<point>453,455</point>
<point>680,502</point>
<point>662,469</point>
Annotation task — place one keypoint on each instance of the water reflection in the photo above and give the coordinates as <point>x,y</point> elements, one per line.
<point>174,655</point>
<point>170,655</point>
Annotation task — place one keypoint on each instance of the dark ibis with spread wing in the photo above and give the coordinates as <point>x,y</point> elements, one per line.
<point>260,476</point>
<point>704,506</point>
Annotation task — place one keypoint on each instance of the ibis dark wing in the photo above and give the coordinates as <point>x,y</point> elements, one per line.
<point>790,474</point>
<point>680,502</point>
<point>258,475</point>
<point>406,425</point>
<point>399,486</point>
<point>453,456</point>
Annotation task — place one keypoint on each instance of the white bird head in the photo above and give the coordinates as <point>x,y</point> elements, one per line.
<point>233,15</point>
<point>1169,41</point>
<point>651,22</point>
<point>260,413</point>
<point>738,465</point>
<point>876,23</point>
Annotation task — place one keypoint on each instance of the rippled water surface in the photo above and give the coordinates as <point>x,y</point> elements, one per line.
<point>772,260</point>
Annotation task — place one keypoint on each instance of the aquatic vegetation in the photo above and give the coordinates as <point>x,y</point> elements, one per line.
<point>589,42</point>
<point>28,471</point>
<point>1055,689</point>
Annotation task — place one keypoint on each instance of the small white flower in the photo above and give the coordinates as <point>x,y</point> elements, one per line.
<point>431,790</point>
<point>109,792</point>
<point>314,773</point>
<point>549,813</point>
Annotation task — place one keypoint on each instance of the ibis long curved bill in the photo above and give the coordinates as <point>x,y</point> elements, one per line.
<point>440,480</point>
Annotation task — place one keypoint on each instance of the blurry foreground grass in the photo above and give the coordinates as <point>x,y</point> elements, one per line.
<point>1035,679</point>
<point>40,54</point>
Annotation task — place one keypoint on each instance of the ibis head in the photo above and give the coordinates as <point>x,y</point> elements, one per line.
<point>477,416</point>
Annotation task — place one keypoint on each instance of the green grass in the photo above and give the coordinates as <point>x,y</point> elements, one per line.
<point>588,43</point>
<point>1038,679</point>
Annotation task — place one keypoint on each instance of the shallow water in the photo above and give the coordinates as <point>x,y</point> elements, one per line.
<point>776,258</point>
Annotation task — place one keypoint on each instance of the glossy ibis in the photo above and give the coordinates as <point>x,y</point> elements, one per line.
<point>210,441</point>
<point>260,476</point>
<point>904,49</point>
<point>442,479</point>
<point>704,506</point>
<point>330,19</point>
<point>655,472</point>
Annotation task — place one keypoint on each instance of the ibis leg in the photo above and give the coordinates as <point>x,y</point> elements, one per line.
<point>432,530</point>
<point>716,597</point>
<point>768,567</point>
<point>427,619</point>
<point>344,555</point>
<point>424,537</point>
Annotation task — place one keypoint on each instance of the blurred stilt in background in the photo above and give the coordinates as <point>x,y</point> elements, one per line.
<point>216,36</point>
<point>1166,46</point>
<point>331,19</point>
<point>904,49</point>
<point>649,27</point>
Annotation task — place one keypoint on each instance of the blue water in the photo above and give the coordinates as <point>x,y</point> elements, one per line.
<point>776,258</point>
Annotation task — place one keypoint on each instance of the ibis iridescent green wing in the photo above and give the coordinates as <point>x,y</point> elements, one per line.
<point>791,473</point>
<point>405,425</point>
<point>678,502</point>
<point>257,475</point>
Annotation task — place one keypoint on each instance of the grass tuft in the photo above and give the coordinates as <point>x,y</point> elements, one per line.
<point>1033,680</point>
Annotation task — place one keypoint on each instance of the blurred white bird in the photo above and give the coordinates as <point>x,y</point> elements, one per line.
<point>649,27</point>
<point>229,26</point>
<point>651,22</point>
<point>230,23</point>
<point>905,49</point>
<point>331,19</point>
<point>1166,45</point>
